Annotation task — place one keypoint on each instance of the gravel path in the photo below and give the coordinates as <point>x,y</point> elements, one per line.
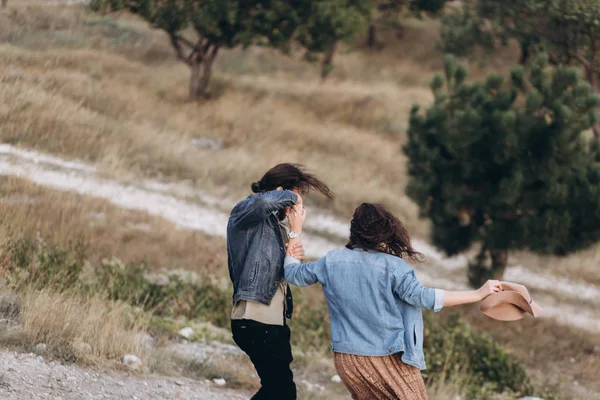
<point>30,377</point>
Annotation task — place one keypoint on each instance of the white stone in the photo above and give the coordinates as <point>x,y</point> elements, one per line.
<point>220,381</point>
<point>530,398</point>
<point>132,362</point>
<point>40,348</point>
<point>186,332</point>
<point>336,379</point>
<point>208,144</point>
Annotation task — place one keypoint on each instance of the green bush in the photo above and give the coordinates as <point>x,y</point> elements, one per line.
<point>452,347</point>
<point>43,265</point>
<point>175,298</point>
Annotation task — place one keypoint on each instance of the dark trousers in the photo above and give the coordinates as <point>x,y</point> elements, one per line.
<point>268,347</point>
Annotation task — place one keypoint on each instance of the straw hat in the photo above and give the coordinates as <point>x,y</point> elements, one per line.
<point>511,304</point>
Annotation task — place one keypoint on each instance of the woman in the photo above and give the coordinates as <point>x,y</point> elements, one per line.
<point>375,303</point>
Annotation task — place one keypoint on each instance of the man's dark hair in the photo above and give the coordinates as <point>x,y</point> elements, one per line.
<point>291,176</point>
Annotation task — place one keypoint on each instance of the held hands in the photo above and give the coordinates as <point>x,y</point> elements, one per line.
<point>491,286</point>
<point>296,251</point>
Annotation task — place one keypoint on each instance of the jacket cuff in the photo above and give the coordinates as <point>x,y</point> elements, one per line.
<point>289,260</point>
<point>439,300</point>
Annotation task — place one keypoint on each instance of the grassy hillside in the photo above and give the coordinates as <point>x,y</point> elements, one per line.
<point>108,90</point>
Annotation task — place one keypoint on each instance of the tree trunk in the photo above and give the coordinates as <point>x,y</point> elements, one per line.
<point>4,2</point>
<point>489,264</point>
<point>196,89</point>
<point>327,65</point>
<point>372,36</point>
<point>593,78</point>
<point>499,262</point>
<point>525,51</point>
<point>201,72</point>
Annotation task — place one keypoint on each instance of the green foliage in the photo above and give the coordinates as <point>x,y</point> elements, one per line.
<point>327,22</point>
<point>174,298</point>
<point>503,162</point>
<point>394,7</point>
<point>216,24</point>
<point>452,347</point>
<point>461,31</point>
<point>39,264</point>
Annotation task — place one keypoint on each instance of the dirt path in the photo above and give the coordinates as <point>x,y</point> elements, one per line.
<point>30,377</point>
<point>193,209</point>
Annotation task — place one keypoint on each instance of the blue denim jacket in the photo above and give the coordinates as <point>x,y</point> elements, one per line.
<point>374,301</point>
<point>255,246</point>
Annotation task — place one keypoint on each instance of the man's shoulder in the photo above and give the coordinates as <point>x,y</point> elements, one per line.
<point>242,203</point>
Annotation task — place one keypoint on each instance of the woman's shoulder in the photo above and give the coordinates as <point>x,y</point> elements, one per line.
<point>368,257</point>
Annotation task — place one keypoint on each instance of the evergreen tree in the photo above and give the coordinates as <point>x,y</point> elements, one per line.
<point>326,23</point>
<point>391,10</point>
<point>490,23</point>
<point>572,36</point>
<point>503,163</point>
<point>568,30</point>
<point>216,24</point>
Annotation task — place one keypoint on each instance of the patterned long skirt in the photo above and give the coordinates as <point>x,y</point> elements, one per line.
<point>381,378</point>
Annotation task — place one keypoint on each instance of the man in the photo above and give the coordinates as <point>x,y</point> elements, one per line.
<point>256,241</point>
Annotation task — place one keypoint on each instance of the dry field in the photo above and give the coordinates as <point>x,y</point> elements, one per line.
<point>108,91</point>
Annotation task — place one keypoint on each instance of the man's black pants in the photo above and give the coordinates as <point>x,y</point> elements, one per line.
<point>268,347</point>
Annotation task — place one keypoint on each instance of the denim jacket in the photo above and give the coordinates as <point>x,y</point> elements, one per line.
<point>374,302</point>
<point>255,246</point>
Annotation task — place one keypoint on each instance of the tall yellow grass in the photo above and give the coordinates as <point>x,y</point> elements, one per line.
<point>87,330</point>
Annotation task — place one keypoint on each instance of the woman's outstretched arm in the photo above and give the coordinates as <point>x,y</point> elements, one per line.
<point>455,298</point>
<point>410,290</point>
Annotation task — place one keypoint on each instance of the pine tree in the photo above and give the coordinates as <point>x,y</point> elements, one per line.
<point>326,23</point>
<point>568,30</point>
<point>572,36</point>
<point>504,164</point>
<point>492,23</point>
<point>391,10</point>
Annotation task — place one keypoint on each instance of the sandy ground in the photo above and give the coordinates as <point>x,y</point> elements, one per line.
<point>28,376</point>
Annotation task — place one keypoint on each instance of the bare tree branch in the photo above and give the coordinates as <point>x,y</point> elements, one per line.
<point>176,43</point>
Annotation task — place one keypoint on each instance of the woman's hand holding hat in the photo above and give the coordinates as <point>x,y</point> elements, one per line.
<point>490,287</point>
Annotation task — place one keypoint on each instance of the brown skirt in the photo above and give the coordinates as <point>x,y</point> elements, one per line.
<point>381,378</point>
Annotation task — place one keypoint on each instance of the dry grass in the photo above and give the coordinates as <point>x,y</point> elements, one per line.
<point>90,331</point>
<point>109,91</point>
<point>106,230</point>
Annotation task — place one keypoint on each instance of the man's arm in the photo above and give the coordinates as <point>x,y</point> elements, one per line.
<point>260,206</point>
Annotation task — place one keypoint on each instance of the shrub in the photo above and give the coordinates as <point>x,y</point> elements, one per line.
<point>452,348</point>
<point>42,265</point>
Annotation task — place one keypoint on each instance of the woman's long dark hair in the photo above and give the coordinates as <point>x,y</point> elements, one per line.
<point>375,228</point>
<point>291,176</point>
